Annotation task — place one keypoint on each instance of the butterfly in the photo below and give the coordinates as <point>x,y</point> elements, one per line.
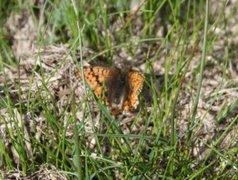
<point>118,88</point>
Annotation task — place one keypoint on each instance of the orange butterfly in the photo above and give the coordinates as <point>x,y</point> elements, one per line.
<point>118,88</point>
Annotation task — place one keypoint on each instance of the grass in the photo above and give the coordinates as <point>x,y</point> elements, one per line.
<point>176,39</point>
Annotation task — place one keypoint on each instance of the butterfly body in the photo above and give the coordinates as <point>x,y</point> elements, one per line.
<point>118,88</point>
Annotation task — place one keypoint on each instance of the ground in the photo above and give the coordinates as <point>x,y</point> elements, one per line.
<point>188,108</point>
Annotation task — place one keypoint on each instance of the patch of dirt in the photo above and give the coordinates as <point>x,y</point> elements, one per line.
<point>45,173</point>
<point>22,33</point>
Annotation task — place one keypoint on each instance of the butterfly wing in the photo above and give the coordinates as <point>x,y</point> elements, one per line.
<point>97,76</point>
<point>135,81</point>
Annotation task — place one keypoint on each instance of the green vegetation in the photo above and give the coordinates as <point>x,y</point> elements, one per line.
<point>186,127</point>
